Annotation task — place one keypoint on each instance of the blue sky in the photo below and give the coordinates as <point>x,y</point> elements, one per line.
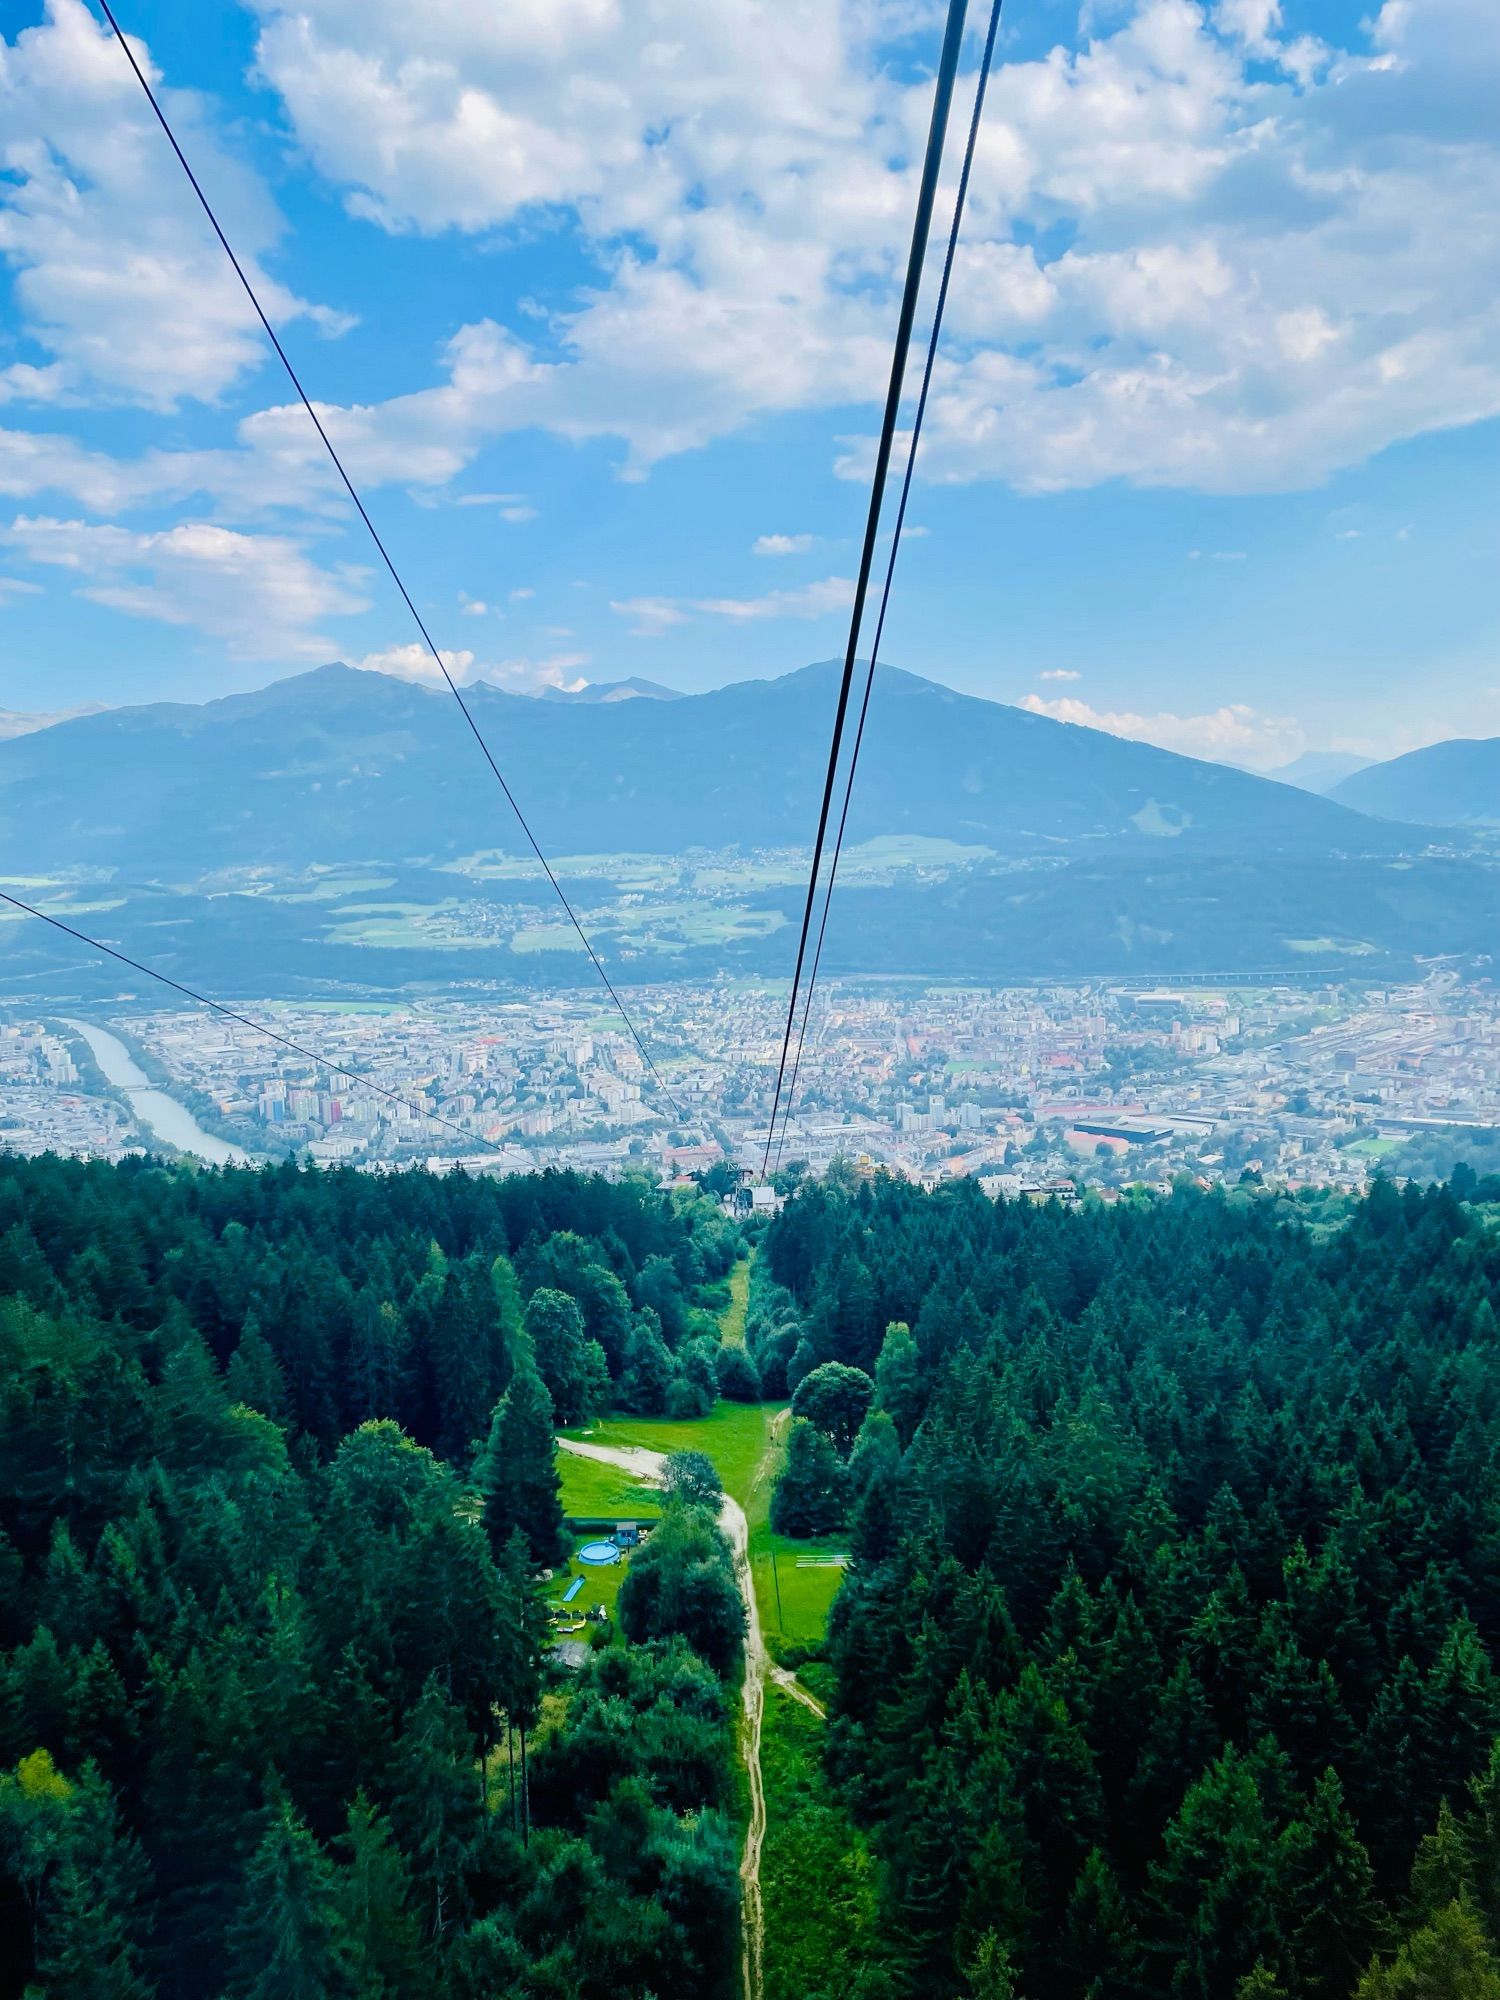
<point>599,295</point>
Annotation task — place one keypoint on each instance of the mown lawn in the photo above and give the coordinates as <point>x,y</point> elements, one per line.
<point>732,1322</point>
<point>736,1436</point>
<point>745,1442</point>
<point>594,1492</point>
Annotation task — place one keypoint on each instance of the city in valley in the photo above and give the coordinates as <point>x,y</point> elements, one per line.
<point>1036,1090</point>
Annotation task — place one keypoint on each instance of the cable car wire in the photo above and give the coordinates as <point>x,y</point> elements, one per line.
<point>338,463</point>
<point>890,569</point>
<point>244,1020</point>
<point>916,257</point>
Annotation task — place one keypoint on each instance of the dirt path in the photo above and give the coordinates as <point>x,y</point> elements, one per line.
<point>647,1467</point>
<point>788,1682</point>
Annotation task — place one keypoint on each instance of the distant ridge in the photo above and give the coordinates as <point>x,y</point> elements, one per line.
<point>1319,770</point>
<point>14,723</point>
<point>338,764</point>
<point>1448,784</point>
<point>597,693</point>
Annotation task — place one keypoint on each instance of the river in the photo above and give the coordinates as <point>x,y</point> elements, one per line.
<point>163,1115</point>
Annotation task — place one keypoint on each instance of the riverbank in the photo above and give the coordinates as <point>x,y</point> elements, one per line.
<point>163,1117</point>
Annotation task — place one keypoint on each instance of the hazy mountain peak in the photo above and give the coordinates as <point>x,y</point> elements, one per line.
<point>1456,783</point>
<point>14,723</point>
<point>598,693</point>
<point>337,764</point>
<point>1319,770</point>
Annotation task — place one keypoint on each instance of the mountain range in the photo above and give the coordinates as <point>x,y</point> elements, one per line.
<point>339,831</point>
<point>595,693</point>
<point>1319,770</point>
<point>1448,784</point>
<point>339,765</point>
<point>14,723</point>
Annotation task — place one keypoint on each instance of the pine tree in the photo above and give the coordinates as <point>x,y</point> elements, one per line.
<point>1217,1887</point>
<point>89,1945</point>
<point>1441,1870</point>
<point>898,1380</point>
<point>435,1802</point>
<point>1327,1878</point>
<point>988,1973</point>
<point>1261,1984</point>
<point>517,1469</point>
<point>809,1496</point>
<point>461,1349</point>
<point>383,1951</point>
<point>572,1365</point>
<point>254,1376</point>
<point>1481,1835</point>
<point>286,1943</point>
<point>1447,1959</point>
<point>1099,1953</point>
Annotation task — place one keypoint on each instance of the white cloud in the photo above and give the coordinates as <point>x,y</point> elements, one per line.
<point>1234,734</point>
<point>651,616</point>
<point>117,273</point>
<point>413,662</point>
<point>1278,258</point>
<point>522,675</point>
<point>259,595</point>
<point>1253,22</point>
<point>525,675</point>
<point>1059,674</point>
<point>1200,253</point>
<point>12,587</point>
<point>809,600</point>
<point>781,545</point>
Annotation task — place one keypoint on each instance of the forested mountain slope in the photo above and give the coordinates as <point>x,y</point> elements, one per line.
<point>337,765</point>
<point>1446,784</point>
<point>1165,1665</point>
<point>268,1659</point>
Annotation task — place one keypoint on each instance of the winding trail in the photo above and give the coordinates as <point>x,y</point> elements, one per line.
<point>759,1668</point>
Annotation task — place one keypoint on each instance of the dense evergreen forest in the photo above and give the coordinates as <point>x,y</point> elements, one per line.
<point>276,1477</point>
<point>1163,1668</point>
<point>1165,1661</point>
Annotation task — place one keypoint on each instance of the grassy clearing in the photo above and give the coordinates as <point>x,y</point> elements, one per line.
<point>594,1492</point>
<point>732,1320</point>
<point>697,923</point>
<point>601,1586</point>
<point>817,1945</point>
<point>545,937</point>
<point>745,1442</point>
<point>1374,1149</point>
<point>56,908</point>
<point>734,1435</point>
<point>794,1603</point>
<point>337,1007</point>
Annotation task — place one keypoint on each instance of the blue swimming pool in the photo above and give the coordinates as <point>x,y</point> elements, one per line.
<point>599,1552</point>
